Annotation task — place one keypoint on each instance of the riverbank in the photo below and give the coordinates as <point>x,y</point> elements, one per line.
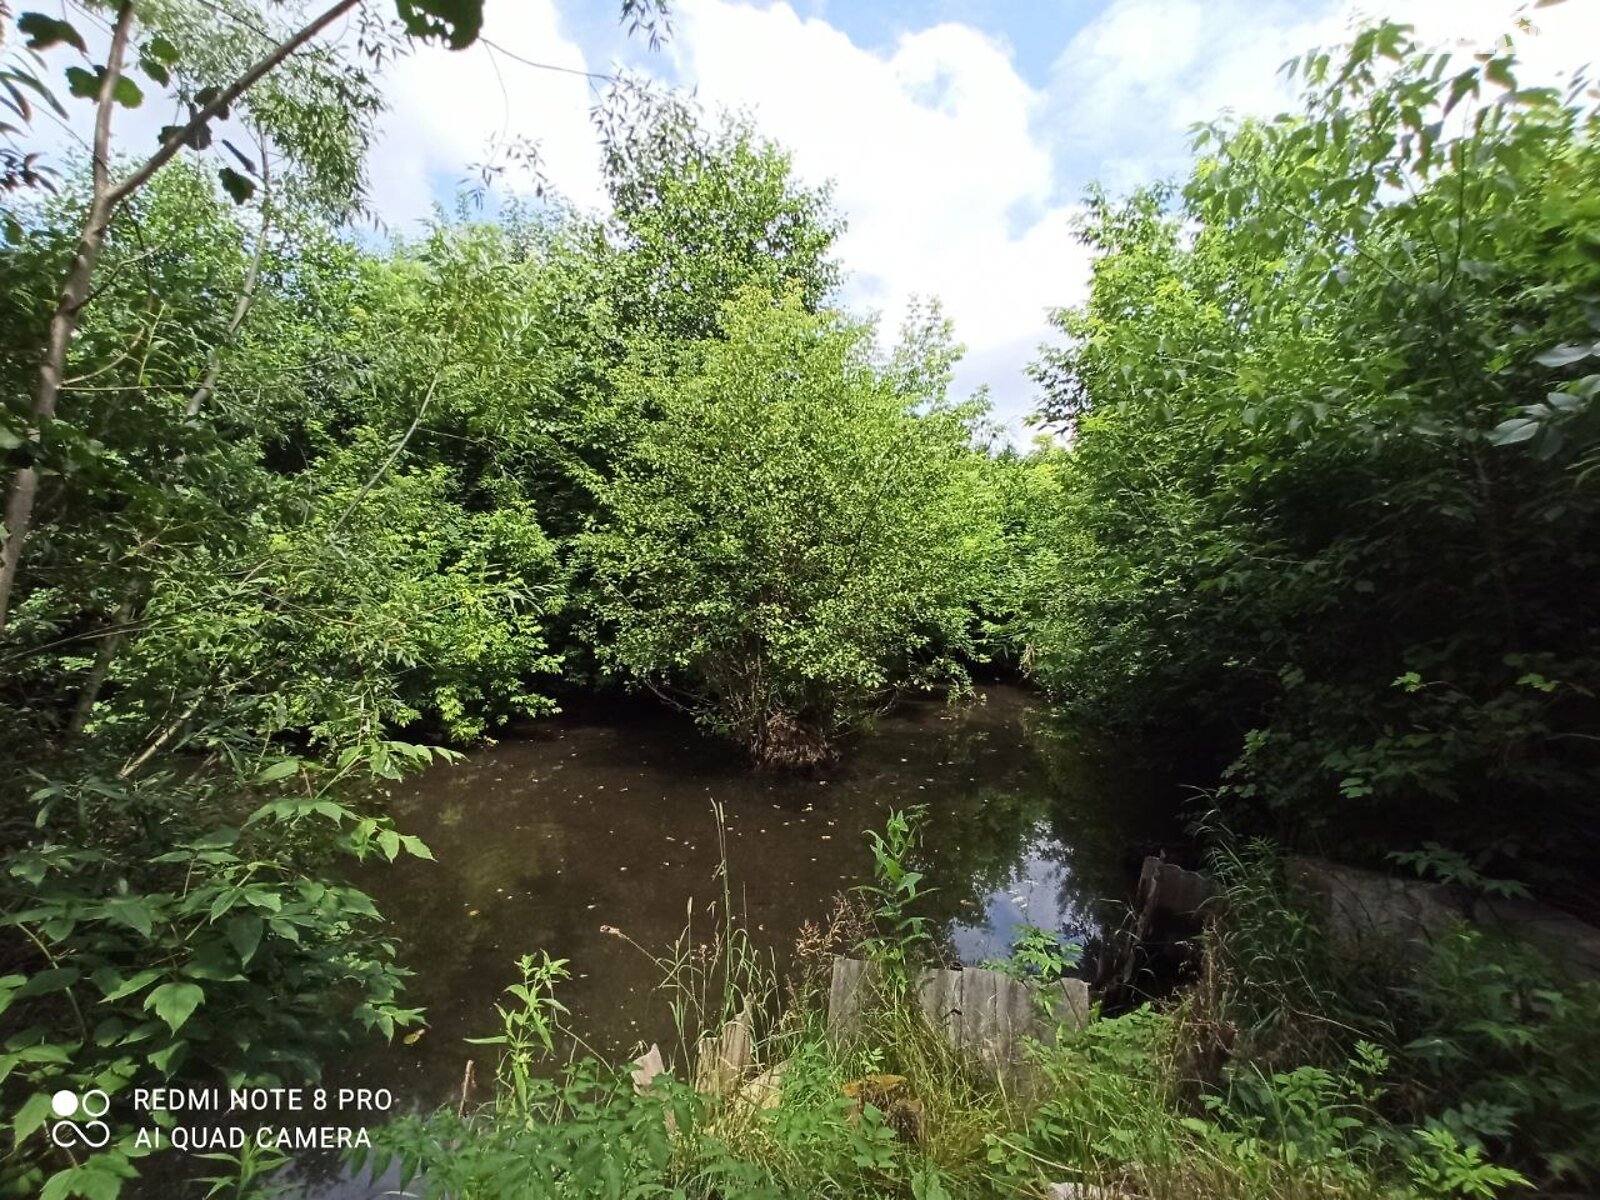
<point>607,821</point>
<point>1263,1079</point>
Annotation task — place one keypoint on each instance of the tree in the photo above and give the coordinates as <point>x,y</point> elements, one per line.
<point>794,538</point>
<point>1327,493</point>
<point>304,97</point>
<point>701,214</point>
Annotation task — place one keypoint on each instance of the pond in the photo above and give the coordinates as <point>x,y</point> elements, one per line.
<point>546,839</point>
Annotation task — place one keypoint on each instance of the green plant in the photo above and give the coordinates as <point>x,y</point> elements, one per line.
<point>1448,866</point>
<point>1441,1166</point>
<point>796,532</point>
<point>528,1028</point>
<point>901,932</point>
<point>1306,510</point>
<point>1038,954</point>
<point>247,1174</point>
<point>1503,1050</point>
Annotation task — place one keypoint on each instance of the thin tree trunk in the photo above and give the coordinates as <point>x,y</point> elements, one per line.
<point>371,483</point>
<point>109,645</point>
<point>165,736</point>
<point>64,321</point>
<point>247,297</point>
<point>75,292</point>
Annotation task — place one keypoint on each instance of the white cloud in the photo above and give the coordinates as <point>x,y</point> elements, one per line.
<point>1129,85</point>
<point>933,152</point>
<point>449,109</point>
<point>958,177</point>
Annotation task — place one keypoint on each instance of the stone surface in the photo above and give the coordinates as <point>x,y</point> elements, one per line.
<point>1082,1191</point>
<point>722,1058</point>
<point>1560,934</point>
<point>766,1089</point>
<point>981,1012</point>
<point>646,1067</point>
<point>1372,913</point>
<point>850,988</point>
<point>1168,888</point>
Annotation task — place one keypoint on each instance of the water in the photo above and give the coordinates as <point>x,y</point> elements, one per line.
<point>576,825</point>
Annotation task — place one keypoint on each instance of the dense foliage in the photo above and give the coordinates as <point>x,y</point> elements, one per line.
<point>795,534</point>
<point>300,504</point>
<point>1315,1097</point>
<point>288,510</point>
<point>1330,493</point>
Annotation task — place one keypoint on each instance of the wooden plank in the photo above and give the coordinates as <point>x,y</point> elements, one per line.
<point>983,1013</point>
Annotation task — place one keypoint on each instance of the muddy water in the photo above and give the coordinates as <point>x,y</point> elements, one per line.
<point>543,840</point>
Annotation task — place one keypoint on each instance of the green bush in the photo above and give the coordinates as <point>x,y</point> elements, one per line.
<point>1331,476</point>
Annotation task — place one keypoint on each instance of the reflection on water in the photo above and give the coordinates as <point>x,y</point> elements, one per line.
<point>543,840</point>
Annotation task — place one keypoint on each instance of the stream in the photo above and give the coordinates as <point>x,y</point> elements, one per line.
<point>545,840</point>
<point>577,824</point>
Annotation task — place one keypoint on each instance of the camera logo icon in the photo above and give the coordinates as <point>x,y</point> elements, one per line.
<point>80,1123</point>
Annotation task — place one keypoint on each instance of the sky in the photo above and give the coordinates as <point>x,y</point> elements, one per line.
<point>959,135</point>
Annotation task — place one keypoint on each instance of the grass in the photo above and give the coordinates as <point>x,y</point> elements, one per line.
<point>1265,1081</point>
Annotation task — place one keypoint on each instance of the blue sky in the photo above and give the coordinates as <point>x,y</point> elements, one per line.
<point>958,135</point>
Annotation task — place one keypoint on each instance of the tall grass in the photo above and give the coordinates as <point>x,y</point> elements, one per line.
<point>1268,1081</point>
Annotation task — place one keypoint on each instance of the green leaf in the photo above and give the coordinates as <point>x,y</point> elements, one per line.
<point>168,1057</point>
<point>456,22</point>
<point>44,982</point>
<point>98,1179</point>
<point>128,987</point>
<point>416,847</point>
<point>82,83</point>
<point>1509,433</point>
<point>131,911</point>
<point>1463,83</point>
<point>389,843</point>
<point>284,766</point>
<point>174,1003</point>
<point>244,932</point>
<point>1564,356</point>
<point>161,50</point>
<point>44,31</point>
<point>87,85</point>
<point>33,1113</point>
<point>1498,70</point>
<point>236,185</point>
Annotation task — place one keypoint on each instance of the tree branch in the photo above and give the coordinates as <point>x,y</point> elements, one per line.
<point>202,117</point>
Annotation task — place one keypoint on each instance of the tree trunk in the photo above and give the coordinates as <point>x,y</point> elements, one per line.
<point>64,321</point>
<point>75,292</point>
<point>109,645</point>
